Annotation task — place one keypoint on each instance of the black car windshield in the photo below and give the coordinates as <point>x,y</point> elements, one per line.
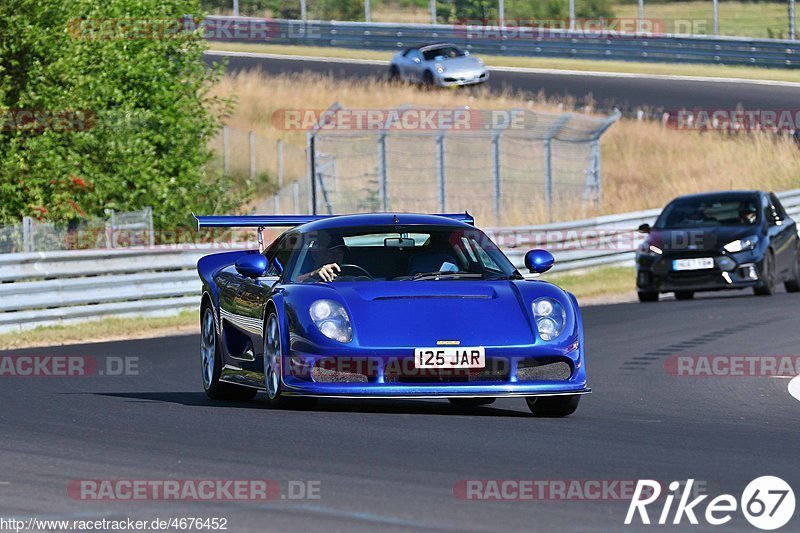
<point>390,253</point>
<point>709,212</point>
<point>441,52</point>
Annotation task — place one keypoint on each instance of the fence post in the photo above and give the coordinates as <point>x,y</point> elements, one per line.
<point>303,10</point>
<point>792,32</point>
<point>367,14</point>
<point>716,16</point>
<point>235,8</point>
<point>296,197</point>
<point>548,162</point>
<point>27,234</point>
<point>312,186</point>
<point>383,178</point>
<point>279,148</point>
<point>640,24</point>
<point>225,150</point>
<point>496,175</point>
<point>277,201</point>
<point>251,138</point>
<point>150,226</point>
<point>432,5</point>
<point>440,172</point>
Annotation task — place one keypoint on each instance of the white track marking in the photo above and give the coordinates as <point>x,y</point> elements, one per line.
<point>528,70</point>
<point>794,388</point>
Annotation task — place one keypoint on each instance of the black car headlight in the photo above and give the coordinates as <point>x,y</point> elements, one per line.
<point>550,317</point>
<point>740,245</point>
<point>331,320</point>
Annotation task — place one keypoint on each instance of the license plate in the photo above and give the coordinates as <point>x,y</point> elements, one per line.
<point>454,357</point>
<point>699,263</point>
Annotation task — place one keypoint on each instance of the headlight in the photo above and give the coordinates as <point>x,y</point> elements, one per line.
<point>439,68</point>
<point>331,320</point>
<point>742,244</point>
<point>648,249</point>
<point>550,317</point>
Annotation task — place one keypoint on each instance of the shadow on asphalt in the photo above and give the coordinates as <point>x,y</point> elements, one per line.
<point>410,407</point>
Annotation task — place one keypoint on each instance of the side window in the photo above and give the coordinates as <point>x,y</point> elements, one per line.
<point>278,255</point>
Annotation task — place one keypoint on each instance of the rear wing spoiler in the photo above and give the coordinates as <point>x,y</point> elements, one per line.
<point>286,221</point>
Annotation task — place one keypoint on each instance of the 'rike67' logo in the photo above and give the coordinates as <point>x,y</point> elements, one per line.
<point>767,503</point>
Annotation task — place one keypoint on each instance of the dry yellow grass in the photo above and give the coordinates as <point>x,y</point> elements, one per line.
<point>644,165</point>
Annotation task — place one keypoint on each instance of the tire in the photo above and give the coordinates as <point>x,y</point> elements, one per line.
<point>768,275</point>
<point>273,368</point>
<point>211,363</point>
<point>427,79</point>
<point>394,75</point>
<point>684,295</point>
<point>647,296</point>
<point>793,283</point>
<point>553,406</point>
<point>466,403</point>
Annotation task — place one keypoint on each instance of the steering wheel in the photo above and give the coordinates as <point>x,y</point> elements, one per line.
<point>348,265</point>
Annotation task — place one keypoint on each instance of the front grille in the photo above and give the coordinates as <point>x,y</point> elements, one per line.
<point>323,375</point>
<point>543,370</point>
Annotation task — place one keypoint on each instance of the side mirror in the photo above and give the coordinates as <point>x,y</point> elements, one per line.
<point>251,265</point>
<point>644,228</point>
<point>539,261</point>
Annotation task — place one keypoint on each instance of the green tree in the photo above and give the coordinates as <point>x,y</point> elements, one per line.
<point>144,91</point>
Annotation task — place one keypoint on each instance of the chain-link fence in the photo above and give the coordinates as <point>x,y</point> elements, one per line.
<point>504,166</point>
<point>117,230</point>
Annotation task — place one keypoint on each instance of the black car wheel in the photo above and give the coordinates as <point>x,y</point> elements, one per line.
<point>767,287</point>
<point>211,363</point>
<point>793,283</point>
<point>273,368</point>
<point>553,406</point>
<point>465,403</point>
<point>427,79</point>
<point>394,74</point>
<point>647,296</point>
<point>684,295</point>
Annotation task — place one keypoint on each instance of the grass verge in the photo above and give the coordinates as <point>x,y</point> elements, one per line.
<point>716,71</point>
<point>594,286</point>
<point>107,329</point>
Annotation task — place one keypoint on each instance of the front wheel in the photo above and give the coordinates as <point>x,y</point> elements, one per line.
<point>394,74</point>
<point>647,296</point>
<point>793,283</point>
<point>211,363</point>
<point>273,368</point>
<point>767,287</point>
<point>553,406</point>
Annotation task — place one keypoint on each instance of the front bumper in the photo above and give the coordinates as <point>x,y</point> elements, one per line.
<point>446,79</point>
<point>509,372</point>
<point>731,271</point>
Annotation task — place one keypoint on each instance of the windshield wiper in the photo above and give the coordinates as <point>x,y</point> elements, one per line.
<point>444,274</point>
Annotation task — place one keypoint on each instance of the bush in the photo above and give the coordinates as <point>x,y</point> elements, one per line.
<point>149,116</point>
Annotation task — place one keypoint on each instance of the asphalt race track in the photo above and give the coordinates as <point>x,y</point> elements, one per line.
<point>627,94</point>
<point>393,465</point>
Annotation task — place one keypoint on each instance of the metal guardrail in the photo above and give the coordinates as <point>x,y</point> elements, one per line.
<point>46,288</point>
<point>775,53</point>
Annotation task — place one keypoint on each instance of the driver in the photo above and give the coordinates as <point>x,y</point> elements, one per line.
<point>747,213</point>
<point>329,260</point>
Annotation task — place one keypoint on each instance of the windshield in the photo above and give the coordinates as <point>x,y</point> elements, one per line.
<point>705,212</point>
<point>397,254</point>
<point>441,52</point>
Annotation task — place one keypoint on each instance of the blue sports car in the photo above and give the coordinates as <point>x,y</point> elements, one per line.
<point>386,306</point>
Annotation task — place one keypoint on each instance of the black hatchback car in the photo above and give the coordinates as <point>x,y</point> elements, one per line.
<point>721,240</point>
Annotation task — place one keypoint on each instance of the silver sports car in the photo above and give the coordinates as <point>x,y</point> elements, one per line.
<point>443,65</point>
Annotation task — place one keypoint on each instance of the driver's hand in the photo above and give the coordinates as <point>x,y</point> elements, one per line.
<point>328,272</point>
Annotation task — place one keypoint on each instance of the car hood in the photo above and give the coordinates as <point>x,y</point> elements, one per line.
<point>699,239</point>
<point>420,313</point>
<point>461,64</point>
